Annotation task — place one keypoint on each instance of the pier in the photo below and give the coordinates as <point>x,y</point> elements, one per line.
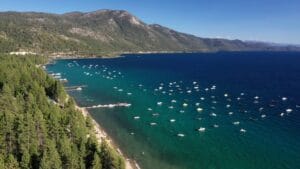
<point>108,105</point>
<point>77,88</point>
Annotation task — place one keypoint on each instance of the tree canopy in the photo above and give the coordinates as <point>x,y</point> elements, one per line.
<point>39,134</point>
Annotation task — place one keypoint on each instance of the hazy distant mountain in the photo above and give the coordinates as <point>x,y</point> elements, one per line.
<point>102,32</point>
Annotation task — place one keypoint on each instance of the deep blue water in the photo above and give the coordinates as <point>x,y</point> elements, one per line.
<point>244,97</point>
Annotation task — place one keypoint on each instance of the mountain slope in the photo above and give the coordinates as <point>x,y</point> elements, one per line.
<point>101,32</point>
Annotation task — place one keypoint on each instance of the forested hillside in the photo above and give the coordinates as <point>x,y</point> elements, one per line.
<point>104,32</point>
<point>40,127</point>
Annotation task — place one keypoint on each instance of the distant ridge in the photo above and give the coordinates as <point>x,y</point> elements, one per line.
<point>104,32</point>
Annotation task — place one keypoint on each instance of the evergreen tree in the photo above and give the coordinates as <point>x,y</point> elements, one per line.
<point>109,158</point>
<point>36,133</point>
<point>96,164</point>
<point>25,160</point>
<point>51,158</point>
<point>11,162</point>
<point>2,164</point>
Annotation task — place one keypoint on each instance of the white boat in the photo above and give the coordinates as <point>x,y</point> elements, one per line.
<point>283,98</point>
<point>216,126</point>
<point>136,117</point>
<point>180,135</point>
<point>199,109</point>
<point>159,103</point>
<point>243,130</point>
<point>201,129</point>
<point>153,124</point>
<point>172,120</point>
<point>184,104</point>
<point>171,107</point>
<point>236,123</point>
<point>213,114</point>
<point>289,110</point>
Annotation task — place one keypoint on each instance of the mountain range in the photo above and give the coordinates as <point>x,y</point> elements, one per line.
<point>106,32</point>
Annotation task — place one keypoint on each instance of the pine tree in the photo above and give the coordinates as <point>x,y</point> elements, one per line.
<point>96,164</point>
<point>36,133</point>
<point>2,164</point>
<point>11,162</point>
<point>25,160</point>
<point>51,158</point>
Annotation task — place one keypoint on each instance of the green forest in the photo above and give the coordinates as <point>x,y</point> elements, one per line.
<point>105,33</point>
<point>39,125</point>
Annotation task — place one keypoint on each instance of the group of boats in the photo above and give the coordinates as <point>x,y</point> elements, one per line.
<point>187,97</point>
<point>209,102</point>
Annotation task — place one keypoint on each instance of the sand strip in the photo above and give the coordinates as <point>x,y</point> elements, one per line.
<point>101,135</point>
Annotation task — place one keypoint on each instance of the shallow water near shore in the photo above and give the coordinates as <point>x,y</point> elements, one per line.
<point>228,110</point>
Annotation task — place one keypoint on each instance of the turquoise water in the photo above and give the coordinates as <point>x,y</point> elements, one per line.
<point>246,106</point>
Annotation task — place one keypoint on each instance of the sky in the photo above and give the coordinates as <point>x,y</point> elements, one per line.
<point>257,20</point>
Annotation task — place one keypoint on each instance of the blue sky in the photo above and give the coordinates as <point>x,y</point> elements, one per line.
<point>263,20</point>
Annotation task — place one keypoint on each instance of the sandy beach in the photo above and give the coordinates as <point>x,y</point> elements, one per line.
<point>102,136</point>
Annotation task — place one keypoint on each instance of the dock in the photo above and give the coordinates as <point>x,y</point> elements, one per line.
<point>109,105</point>
<point>77,88</point>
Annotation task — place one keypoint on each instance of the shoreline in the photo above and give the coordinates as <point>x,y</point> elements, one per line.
<point>99,132</point>
<point>101,135</point>
<point>119,54</point>
<point>115,55</point>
